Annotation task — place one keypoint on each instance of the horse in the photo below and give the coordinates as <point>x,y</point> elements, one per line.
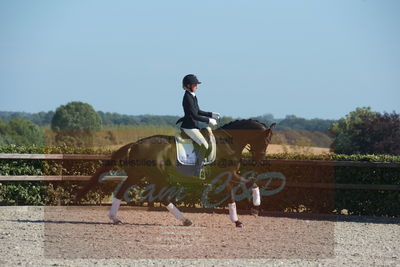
<point>158,155</point>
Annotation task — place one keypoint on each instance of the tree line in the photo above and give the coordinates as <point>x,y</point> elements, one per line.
<point>290,122</point>
<point>362,131</point>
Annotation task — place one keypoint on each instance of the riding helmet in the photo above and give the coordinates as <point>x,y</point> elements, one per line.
<point>189,80</point>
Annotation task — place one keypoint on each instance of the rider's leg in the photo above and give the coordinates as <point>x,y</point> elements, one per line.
<point>200,157</point>
<point>196,136</point>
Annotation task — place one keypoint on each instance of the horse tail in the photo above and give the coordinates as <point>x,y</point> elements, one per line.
<point>94,180</point>
<point>120,154</point>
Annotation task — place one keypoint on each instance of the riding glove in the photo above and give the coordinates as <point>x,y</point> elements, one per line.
<point>211,121</point>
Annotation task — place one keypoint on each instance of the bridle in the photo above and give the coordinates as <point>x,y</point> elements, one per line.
<point>253,152</point>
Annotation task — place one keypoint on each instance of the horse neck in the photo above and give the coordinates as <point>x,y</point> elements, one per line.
<point>235,138</point>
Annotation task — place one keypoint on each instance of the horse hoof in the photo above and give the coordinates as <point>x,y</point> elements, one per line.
<point>115,221</point>
<point>254,211</point>
<point>187,222</point>
<point>239,224</point>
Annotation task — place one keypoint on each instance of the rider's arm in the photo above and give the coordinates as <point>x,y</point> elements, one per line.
<point>188,104</point>
<point>205,113</point>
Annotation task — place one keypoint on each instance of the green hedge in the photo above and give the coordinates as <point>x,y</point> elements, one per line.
<point>358,202</point>
<point>49,193</point>
<point>361,202</point>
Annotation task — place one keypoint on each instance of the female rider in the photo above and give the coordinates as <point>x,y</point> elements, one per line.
<point>193,114</point>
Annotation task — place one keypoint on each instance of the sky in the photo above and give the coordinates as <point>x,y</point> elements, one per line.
<point>310,58</point>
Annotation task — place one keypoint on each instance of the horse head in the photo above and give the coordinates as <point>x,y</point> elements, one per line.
<point>259,143</point>
<point>254,135</point>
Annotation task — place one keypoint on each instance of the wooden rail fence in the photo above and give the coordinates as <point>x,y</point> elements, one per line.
<point>8,156</point>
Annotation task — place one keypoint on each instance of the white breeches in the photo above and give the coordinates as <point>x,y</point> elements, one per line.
<point>196,136</point>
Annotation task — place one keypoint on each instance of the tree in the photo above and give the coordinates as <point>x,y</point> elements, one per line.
<point>379,135</point>
<point>20,132</point>
<point>296,123</point>
<point>76,116</point>
<point>74,122</point>
<point>366,132</point>
<point>5,138</point>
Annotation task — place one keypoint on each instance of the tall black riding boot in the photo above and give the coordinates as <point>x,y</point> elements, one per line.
<point>200,156</point>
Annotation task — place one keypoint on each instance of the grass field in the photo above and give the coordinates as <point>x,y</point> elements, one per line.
<point>276,149</point>
<point>283,141</point>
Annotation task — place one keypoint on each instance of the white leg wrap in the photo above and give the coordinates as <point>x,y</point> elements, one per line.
<point>114,208</point>
<point>256,196</point>
<point>232,212</point>
<point>174,210</point>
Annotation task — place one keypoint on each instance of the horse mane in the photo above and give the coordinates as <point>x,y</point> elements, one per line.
<point>244,124</point>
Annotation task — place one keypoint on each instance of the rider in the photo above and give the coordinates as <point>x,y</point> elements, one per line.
<point>193,114</point>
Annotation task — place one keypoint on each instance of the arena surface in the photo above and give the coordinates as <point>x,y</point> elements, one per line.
<point>71,236</point>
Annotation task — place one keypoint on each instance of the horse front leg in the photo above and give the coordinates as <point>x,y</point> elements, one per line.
<point>255,192</point>
<point>232,208</point>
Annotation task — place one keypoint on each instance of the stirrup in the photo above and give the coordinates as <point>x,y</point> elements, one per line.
<point>202,175</point>
<point>199,174</point>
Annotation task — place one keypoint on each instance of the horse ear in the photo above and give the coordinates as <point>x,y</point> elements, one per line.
<point>272,126</point>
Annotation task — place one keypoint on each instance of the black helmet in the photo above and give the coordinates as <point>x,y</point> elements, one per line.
<point>189,80</point>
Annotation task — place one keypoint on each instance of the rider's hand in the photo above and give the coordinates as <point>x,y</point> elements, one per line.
<point>216,115</point>
<point>213,122</point>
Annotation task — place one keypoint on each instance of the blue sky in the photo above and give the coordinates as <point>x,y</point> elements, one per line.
<point>309,58</point>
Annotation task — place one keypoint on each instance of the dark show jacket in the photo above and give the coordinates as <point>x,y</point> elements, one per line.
<point>193,114</point>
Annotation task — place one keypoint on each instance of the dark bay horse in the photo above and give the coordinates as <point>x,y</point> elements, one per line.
<point>152,161</point>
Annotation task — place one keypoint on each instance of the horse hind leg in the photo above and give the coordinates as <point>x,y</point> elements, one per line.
<point>118,196</point>
<point>113,211</point>
<point>178,214</point>
<point>167,196</point>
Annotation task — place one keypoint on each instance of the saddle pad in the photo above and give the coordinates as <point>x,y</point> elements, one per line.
<point>185,150</point>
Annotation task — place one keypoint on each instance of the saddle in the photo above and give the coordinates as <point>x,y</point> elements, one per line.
<point>185,147</point>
